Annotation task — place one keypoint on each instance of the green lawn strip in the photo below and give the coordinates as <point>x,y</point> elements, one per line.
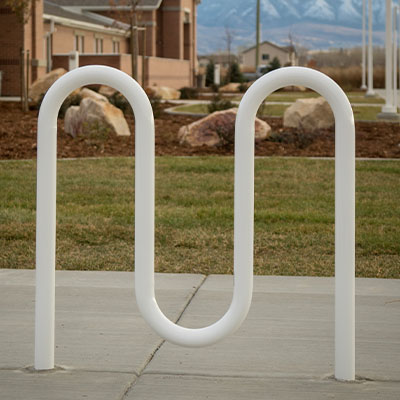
<point>294,216</point>
<point>285,97</point>
<point>362,113</point>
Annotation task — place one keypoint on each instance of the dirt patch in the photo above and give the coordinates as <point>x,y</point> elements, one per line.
<point>18,133</point>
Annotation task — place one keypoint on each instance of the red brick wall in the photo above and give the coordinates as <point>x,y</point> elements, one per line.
<point>14,36</point>
<point>11,41</point>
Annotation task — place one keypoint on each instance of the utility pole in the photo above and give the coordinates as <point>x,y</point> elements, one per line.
<point>258,34</point>
<point>363,58</point>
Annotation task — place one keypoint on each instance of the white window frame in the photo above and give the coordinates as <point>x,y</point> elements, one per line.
<point>98,45</point>
<point>116,47</point>
<point>79,43</point>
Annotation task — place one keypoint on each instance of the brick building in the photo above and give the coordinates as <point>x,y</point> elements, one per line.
<point>100,33</point>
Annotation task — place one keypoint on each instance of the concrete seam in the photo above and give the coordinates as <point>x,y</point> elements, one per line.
<point>141,372</point>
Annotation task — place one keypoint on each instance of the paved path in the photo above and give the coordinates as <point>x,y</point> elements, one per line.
<point>284,349</point>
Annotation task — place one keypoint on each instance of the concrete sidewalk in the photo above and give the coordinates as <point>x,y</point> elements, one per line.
<point>284,349</point>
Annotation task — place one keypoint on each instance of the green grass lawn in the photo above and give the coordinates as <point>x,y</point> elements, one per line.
<point>354,97</point>
<point>363,113</point>
<point>294,216</point>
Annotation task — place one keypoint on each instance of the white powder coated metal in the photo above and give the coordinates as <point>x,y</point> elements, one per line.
<point>243,208</point>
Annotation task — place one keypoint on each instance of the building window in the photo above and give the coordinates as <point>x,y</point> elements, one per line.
<point>116,47</point>
<point>80,43</point>
<point>265,56</point>
<point>98,46</point>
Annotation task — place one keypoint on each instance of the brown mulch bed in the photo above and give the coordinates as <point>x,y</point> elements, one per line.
<point>18,139</point>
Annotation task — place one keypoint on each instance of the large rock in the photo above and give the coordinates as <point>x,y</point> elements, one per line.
<point>309,115</point>
<point>42,85</point>
<point>72,121</point>
<point>93,115</point>
<point>230,87</point>
<point>218,129</point>
<point>164,92</point>
<point>107,91</point>
<point>85,92</point>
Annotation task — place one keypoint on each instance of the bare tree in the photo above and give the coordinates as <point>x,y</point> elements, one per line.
<point>228,39</point>
<point>129,15</point>
<point>22,10</point>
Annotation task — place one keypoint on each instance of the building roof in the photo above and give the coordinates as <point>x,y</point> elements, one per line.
<point>105,4</point>
<point>51,9</point>
<point>269,43</point>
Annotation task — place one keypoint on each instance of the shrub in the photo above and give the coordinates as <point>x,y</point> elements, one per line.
<point>243,87</point>
<point>234,74</point>
<point>218,104</point>
<point>119,101</point>
<point>155,102</point>
<point>274,64</point>
<point>349,78</point>
<point>215,88</point>
<point>71,100</point>
<point>210,73</point>
<point>189,93</point>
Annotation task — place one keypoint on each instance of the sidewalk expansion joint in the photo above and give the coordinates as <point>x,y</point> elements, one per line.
<point>142,371</point>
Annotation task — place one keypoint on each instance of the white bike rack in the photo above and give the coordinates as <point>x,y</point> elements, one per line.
<point>243,207</point>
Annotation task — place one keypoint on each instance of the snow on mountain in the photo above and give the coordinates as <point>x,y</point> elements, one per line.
<point>268,9</point>
<point>314,23</point>
<point>319,9</point>
<point>348,11</point>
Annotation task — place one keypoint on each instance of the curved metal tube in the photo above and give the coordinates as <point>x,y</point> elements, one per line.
<point>46,184</point>
<point>243,234</point>
<point>344,191</point>
<point>243,207</point>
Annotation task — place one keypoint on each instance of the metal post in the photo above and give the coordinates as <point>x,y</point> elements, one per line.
<point>370,91</point>
<point>144,58</point>
<point>395,10</point>
<point>258,35</point>
<point>28,65</point>
<point>363,56</point>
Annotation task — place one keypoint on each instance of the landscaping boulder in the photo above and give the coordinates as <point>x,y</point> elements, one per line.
<point>217,129</point>
<point>309,115</point>
<point>85,92</point>
<point>107,91</point>
<point>93,115</point>
<point>230,87</point>
<point>164,92</point>
<point>42,85</point>
<point>72,121</point>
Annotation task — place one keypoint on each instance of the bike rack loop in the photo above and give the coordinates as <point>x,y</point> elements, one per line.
<point>244,210</point>
<point>344,190</point>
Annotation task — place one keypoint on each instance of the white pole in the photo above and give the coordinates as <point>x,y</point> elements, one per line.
<point>363,56</point>
<point>388,108</point>
<point>370,91</point>
<point>395,58</point>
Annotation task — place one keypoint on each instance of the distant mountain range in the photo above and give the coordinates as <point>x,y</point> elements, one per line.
<point>316,24</point>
